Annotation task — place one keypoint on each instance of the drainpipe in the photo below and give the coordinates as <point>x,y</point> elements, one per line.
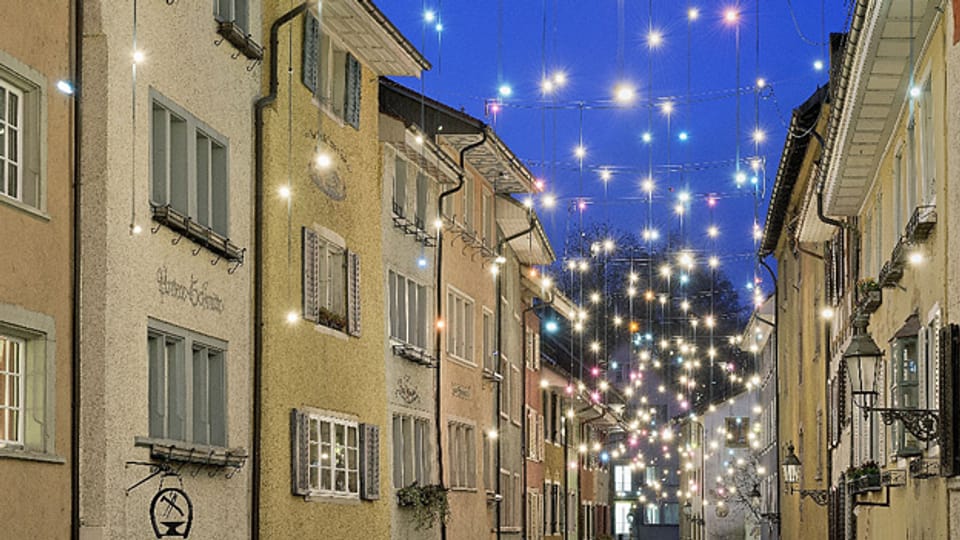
<point>523,417</point>
<point>775,323</point>
<point>77,81</point>
<point>499,346</point>
<point>258,108</point>
<point>438,418</point>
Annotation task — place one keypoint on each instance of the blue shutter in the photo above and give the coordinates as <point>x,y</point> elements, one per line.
<point>353,294</point>
<point>311,52</point>
<point>351,107</point>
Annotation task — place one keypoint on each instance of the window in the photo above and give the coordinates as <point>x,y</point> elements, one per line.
<point>23,103</point>
<point>621,518</point>
<point>877,236</point>
<point>331,282</point>
<point>899,177</point>
<point>533,351</point>
<point>506,491</point>
<point>468,204</point>
<point>535,514</point>
<point>928,143</point>
<point>487,212</point>
<point>11,140</point>
<point>411,451</point>
<point>489,463</point>
<point>534,435</point>
<point>408,310</point>
<point>621,479</point>
<point>331,73</point>
<point>652,476</point>
<point>187,382</point>
<point>556,513</point>
<point>548,521</point>
<point>489,356</point>
<point>27,381</point>
<point>506,390</point>
<point>400,187</point>
<point>11,390</point>
<point>459,326</point>
<point>188,166</point>
<point>463,468</point>
<point>331,464</point>
<point>905,382</point>
<point>737,429</point>
<point>516,395</point>
<point>420,219</point>
<point>234,11</point>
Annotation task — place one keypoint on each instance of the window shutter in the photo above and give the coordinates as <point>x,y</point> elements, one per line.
<point>300,452</point>
<point>311,52</point>
<point>351,106</point>
<point>369,462</point>
<point>880,426</point>
<point>311,275</point>
<point>353,293</point>
<point>949,378</point>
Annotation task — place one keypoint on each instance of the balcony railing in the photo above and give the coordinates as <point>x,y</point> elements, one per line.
<point>921,224</point>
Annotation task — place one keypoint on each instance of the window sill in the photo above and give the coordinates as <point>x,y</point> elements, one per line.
<point>24,207</point>
<point>463,489</point>
<point>183,451</point>
<point>330,331</point>
<point>352,498</point>
<point>412,353</point>
<point>200,234</point>
<point>30,455</point>
<point>240,39</point>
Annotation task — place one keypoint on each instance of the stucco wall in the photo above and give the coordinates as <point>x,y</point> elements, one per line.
<point>37,270</point>
<point>121,288</point>
<point>307,365</point>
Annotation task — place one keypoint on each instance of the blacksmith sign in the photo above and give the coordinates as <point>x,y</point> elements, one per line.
<point>171,513</point>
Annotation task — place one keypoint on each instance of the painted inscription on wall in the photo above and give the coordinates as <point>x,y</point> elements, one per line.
<point>192,291</point>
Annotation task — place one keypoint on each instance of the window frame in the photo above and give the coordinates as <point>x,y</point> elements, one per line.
<point>332,73</point>
<point>333,420</point>
<point>33,145</point>
<point>8,408</point>
<point>5,161</point>
<point>194,127</point>
<point>417,334</point>
<point>420,454</point>
<point>242,23</point>
<point>455,326</point>
<point>462,447</point>
<point>190,340</point>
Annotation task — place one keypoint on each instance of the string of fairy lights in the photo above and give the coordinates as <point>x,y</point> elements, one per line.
<point>673,361</point>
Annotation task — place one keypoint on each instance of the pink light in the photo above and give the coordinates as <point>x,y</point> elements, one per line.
<point>582,205</point>
<point>685,405</point>
<point>595,396</point>
<point>633,441</point>
<point>540,183</point>
<point>569,388</point>
<point>633,376</point>
<point>495,108</point>
<point>595,371</point>
<point>711,202</point>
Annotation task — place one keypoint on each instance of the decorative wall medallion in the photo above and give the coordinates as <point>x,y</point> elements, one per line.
<point>406,390</point>
<point>171,513</point>
<point>193,292</point>
<point>462,391</point>
<point>330,181</point>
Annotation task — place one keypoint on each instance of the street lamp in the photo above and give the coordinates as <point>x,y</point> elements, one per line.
<point>791,475</point>
<point>755,497</point>
<point>862,357</point>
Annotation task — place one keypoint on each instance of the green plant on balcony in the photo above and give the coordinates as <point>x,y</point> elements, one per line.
<point>869,294</point>
<point>865,285</point>
<point>428,503</point>
<point>866,477</point>
<point>331,320</point>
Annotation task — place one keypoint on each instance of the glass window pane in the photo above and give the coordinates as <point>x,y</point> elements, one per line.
<point>217,389</point>
<point>201,422</point>
<point>156,401</point>
<point>176,390</point>
<point>158,156</point>
<point>397,451</point>
<point>219,189</point>
<point>179,175</point>
<point>203,180</point>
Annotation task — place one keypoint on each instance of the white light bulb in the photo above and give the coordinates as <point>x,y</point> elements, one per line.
<point>292,317</point>
<point>138,57</point>
<point>284,192</point>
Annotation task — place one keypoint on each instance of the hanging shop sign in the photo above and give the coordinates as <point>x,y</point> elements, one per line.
<point>192,291</point>
<point>171,513</point>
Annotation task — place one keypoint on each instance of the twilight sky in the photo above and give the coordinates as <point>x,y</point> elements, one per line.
<point>602,45</point>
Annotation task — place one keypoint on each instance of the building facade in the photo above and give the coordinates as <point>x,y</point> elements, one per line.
<point>37,151</point>
<point>166,204</point>
<point>321,298</point>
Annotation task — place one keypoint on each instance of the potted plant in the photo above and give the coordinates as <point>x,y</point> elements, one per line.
<point>869,294</point>
<point>870,474</point>
<point>428,503</point>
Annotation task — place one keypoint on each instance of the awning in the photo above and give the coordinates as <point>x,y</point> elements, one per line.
<point>513,218</point>
<point>910,328</point>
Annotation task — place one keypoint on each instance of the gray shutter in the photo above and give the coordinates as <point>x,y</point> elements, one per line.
<point>369,462</point>
<point>311,52</point>
<point>353,293</point>
<point>351,106</point>
<point>949,378</point>
<point>300,452</point>
<point>311,275</point>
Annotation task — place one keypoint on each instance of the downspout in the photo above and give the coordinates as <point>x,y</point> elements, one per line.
<point>77,80</point>
<point>258,108</point>
<point>499,346</point>
<point>438,418</point>
<point>776,377</point>
<point>523,417</point>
